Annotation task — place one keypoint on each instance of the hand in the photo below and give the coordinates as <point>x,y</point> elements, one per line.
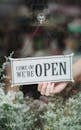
<point>48,89</point>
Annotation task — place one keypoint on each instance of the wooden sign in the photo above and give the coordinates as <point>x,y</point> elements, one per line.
<point>41,69</point>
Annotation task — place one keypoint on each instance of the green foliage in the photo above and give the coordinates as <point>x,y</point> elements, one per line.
<point>67,116</point>
<point>30,114</point>
<point>19,113</point>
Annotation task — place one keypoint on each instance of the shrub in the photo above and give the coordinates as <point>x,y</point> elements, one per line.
<point>67,116</point>
<point>19,113</point>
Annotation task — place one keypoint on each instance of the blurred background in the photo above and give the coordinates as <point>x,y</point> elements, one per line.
<point>40,28</point>
<point>21,31</point>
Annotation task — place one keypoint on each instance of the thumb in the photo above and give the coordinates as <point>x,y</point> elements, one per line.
<point>59,87</point>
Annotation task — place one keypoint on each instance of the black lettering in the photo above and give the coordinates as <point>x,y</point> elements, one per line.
<point>46,68</point>
<point>21,67</point>
<point>32,74</point>
<point>38,70</point>
<point>54,68</point>
<point>62,68</point>
<point>30,67</point>
<point>23,74</point>
<point>28,73</point>
<point>18,74</point>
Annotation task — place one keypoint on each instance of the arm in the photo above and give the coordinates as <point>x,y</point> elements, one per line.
<point>77,70</point>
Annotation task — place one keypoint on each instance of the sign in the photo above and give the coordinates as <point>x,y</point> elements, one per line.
<point>41,69</point>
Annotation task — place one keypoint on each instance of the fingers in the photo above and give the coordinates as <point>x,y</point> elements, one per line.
<point>40,86</point>
<point>43,88</point>
<point>59,88</point>
<point>47,92</point>
<point>52,88</point>
<point>46,88</point>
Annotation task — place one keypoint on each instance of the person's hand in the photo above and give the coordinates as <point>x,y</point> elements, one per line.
<point>49,89</point>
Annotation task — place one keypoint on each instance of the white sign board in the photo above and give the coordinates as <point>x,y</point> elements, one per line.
<point>41,69</point>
